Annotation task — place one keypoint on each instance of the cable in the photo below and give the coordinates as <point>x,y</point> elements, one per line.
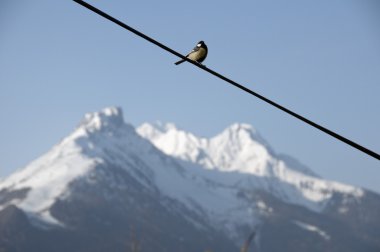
<point>315,125</point>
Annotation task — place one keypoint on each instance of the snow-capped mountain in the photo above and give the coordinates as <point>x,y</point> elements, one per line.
<point>241,149</point>
<point>108,183</point>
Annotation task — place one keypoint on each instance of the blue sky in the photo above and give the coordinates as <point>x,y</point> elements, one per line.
<point>318,58</point>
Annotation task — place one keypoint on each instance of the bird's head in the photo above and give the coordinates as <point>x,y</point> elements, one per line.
<point>200,43</point>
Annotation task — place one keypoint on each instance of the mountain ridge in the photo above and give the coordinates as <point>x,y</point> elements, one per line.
<point>106,171</point>
<point>242,150</point>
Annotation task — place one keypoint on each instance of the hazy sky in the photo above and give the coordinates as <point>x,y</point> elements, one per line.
<point>320,58</point>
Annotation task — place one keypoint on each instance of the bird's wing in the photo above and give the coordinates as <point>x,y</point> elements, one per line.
<point>194,50</point>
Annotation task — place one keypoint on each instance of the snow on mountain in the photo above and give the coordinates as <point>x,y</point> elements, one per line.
<point>48,177</point>
<point>312,228</point>
<point>241,149</point>
<point>210,177</point>
<point>103,138</point>
<point>106,176</point>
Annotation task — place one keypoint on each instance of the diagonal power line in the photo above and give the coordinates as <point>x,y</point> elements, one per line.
<point>311,123</point>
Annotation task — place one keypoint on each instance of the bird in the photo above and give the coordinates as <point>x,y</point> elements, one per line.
<point>198,54</point>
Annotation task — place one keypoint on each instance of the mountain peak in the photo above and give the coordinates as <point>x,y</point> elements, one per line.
<point>107,117</point>
<point>243,133</point>
<point>164,127</point>
<point>240,131</point>
<point>224,151</point>
<point>242,126</point>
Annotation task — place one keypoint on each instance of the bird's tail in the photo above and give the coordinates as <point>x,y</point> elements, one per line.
<point>179,62</point>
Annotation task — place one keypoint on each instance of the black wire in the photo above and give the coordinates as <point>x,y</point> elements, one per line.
<point>315,125</point>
